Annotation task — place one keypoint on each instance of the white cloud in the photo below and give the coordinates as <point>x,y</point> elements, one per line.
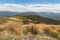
<point>30,7</point>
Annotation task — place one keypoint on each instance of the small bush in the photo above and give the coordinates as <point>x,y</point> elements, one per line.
<point>54,34</point>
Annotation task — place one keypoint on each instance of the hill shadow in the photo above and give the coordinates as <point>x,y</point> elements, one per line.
<point>39,19</point>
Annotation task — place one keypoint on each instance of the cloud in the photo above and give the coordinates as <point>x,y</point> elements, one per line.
<point>30,7</point>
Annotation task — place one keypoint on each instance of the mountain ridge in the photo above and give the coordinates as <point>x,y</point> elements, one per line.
<point>37,18</point>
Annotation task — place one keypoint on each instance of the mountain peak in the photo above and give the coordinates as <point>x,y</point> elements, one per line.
<point>27,13</point>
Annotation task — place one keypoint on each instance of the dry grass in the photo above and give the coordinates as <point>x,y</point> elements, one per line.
<point>15,28</point>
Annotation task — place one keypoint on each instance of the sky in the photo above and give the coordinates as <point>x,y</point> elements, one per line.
<point>30,5</point>
<point>29,1</point>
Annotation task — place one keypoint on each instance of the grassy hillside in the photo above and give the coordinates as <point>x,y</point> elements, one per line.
<point>36,19</point>
<point>14,27</point>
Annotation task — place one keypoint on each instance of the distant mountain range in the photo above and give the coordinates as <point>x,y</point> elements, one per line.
<point>50,15</point>
<point>7,13</point>
<point>44,14</point>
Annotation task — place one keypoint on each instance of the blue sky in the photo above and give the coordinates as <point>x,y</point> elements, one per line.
<point>30,5</point>
<point>30,1</point>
